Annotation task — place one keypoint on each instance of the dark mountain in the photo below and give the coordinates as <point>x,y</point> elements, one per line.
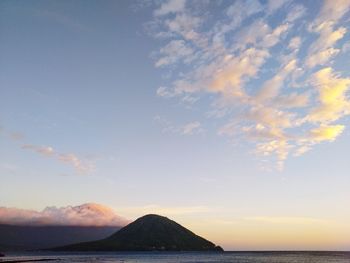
<point>13,237</point>
<point>148,233</point>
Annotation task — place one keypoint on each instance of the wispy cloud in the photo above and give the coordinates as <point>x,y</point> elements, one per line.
<point>43,150</point>
<point>90,214</point>
<point>252,72</point>
<point>190,128</point>
<point>12,135</point>
<point>81,166</point>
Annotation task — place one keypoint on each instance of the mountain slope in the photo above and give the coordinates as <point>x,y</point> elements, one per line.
<point>150,232</point>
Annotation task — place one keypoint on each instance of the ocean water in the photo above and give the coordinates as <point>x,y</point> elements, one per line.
<point>186,257</point>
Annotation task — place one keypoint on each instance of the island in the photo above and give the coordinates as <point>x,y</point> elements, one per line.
<point>148,233</point>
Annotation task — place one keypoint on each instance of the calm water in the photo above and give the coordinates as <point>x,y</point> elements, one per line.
<point>236,257</point>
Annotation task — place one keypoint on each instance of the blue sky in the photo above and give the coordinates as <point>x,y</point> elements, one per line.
<point>225,113</point>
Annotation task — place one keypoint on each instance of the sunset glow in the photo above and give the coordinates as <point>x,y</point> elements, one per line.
<point>230,117</point>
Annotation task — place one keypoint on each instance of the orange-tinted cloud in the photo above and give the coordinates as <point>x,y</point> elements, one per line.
<point>84,215</point>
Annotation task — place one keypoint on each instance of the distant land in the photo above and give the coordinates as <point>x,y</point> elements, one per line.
<point>28,229</point>
<point>148,233</point>
<point>14,237</point>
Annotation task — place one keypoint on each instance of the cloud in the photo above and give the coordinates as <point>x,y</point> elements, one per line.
<point>90,214</point>
<point>239,11</point>
<point>322,50</point>
<point>271,87</point>
<point>333,10</point>
<point>190,128</point>
<point>229,78</point>
<point>13,135</point>
<point>173,52</point>
<point>296,13</point>
<point>292,100</point>
<point>326,133</point>
<point>43,150</point>
<point>333,101</point>
<point>77,163</point>
<point>258,77</point>
<point>69,158</point>
<point>321,57</point>
<point>81,166</point>
<point>170,6</point>
<point>294,43</point>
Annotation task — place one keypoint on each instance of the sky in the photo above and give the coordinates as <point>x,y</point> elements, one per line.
<point>229,117</point>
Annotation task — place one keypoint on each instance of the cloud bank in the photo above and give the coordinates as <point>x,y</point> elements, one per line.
<point>90,214</point>
<point>266,69</point>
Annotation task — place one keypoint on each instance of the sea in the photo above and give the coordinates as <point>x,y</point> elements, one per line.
<point>184,257</point>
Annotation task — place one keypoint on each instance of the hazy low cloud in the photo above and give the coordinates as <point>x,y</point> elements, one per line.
<point>84,215</point>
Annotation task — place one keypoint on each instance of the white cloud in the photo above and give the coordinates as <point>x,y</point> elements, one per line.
<point>84,215</point>
<point>170,6</point>
<point>164,92</point>
<point>273,37</point>
<point>173,52</point>
<point>192,128</point>
<point>321,57</point>
<point>294,43</point>
<point>333,10</point>
<point>241,10</point>
<point>185,26</point>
